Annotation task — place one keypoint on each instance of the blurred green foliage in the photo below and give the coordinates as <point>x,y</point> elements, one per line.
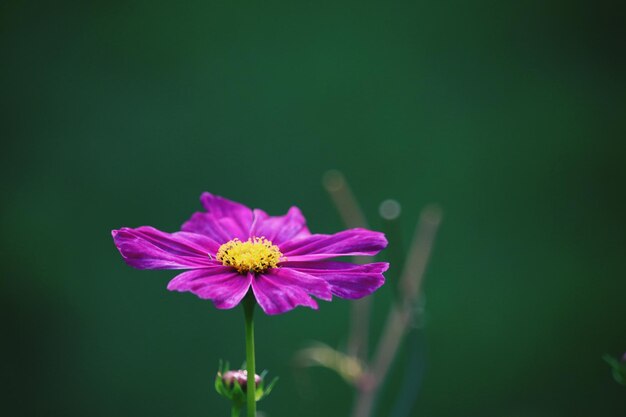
<point>510,115</point>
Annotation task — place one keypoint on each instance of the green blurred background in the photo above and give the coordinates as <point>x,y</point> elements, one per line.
<point>510,115</point>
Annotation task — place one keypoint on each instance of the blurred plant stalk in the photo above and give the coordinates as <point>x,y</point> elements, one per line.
<point>352,216</point>
<point>368,374</point>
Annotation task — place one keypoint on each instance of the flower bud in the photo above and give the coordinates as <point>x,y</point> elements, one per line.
<point>233,384</point>
<point>241,376</point>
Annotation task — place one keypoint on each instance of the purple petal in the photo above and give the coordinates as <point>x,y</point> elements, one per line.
<point>221,284</point>
<point>352,242</point>
<point>346,280</point>
<point>220,208</point>
<point>279,229</point>
<point>221,230</point>
<point>148,248</point>
<point>282,289</point>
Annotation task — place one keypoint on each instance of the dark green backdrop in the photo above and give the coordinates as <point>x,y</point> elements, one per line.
<point>510,115</point>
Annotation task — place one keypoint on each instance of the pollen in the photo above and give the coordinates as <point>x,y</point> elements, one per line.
<point>256,254</point>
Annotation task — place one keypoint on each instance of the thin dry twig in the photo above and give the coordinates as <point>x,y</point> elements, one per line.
<point>400,315</point>
<point>320,354</point>
<point>352,215</point>
<point>347,205</point>
<point>354,366</point>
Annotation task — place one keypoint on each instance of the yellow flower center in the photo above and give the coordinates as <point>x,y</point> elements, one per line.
<point>256,254</point>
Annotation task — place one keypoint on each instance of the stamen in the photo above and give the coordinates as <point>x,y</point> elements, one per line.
<point>256,254</point>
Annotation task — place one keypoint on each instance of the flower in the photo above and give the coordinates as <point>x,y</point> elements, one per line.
<point>231,249</point>
<point>240,376</point>
<point>233,384</point>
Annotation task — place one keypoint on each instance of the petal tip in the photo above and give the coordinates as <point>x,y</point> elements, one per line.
<point>205,195</point>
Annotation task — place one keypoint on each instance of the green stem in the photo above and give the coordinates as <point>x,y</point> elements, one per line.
<point>248,309</point>
<point>235,411</point>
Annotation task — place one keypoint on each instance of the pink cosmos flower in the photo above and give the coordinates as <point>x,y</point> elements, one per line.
<point>231,249</point>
